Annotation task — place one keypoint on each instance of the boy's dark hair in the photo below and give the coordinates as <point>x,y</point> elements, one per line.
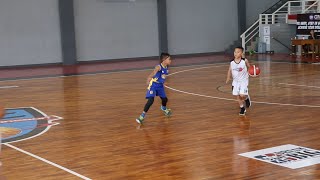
<point>239,47</point>
<point>164,56</point>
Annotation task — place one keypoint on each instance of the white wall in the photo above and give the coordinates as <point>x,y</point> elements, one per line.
<point>114,30</point>
<point>200,26</point>
<point>29,32</point>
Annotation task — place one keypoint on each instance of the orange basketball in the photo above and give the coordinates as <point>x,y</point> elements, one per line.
<point>254,71</point>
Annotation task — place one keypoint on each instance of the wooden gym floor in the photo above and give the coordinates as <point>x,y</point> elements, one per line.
<point>98,137</point>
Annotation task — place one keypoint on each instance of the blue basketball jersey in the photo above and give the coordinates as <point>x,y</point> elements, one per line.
<point>155,87</point>
<point>160,77</point>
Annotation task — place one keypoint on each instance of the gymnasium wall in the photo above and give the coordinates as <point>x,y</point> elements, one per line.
<point>201,26</point>
<point>29,32</point>
<point>283,33</point>
<point>106,29</point>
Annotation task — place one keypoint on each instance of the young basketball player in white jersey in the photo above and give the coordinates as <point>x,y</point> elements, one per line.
<point>239,70</point>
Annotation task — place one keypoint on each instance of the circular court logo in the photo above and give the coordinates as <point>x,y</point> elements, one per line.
<point>25,123</point>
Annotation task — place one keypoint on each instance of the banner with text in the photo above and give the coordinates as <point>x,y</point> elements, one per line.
<point>308,22</point>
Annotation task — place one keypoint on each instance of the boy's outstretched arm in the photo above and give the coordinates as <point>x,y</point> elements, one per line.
<point>229,74</point>
<point>247,63</point>
<point>154,72</point>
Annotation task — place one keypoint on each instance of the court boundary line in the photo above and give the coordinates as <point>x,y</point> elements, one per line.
<point>8,87</point>
<point>47,161</point>
<point>228,99</point>
<point>300,85</point>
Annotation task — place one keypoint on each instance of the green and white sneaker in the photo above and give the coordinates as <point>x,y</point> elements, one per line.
<point>140,119</point>
<point>166,111</point>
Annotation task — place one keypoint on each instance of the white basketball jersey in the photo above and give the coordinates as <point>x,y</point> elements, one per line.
<point>239,71</point>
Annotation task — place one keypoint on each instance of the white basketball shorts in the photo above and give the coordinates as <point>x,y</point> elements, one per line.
<point>240,88</point>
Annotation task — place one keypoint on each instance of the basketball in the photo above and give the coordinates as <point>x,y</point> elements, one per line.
<point>254,71</point>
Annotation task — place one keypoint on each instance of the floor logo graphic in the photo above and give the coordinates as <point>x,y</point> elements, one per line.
<point>290,156</point>
<point>24,123</point>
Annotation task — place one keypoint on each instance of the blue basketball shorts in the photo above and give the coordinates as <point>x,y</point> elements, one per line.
<point>156,89</point>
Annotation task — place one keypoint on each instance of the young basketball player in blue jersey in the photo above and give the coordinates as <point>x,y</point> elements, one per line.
<point>239,70</point>
<point>156,88</point>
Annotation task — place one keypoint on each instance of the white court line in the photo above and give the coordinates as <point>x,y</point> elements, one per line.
<point>8,87</point>
<point>195,69</point>
<point>300,85</point>
<point>49,162</point>
<point>227,99</point>
<point>195,94</point>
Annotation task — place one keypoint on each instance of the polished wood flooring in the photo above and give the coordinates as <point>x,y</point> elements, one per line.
<point>100,139</point>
